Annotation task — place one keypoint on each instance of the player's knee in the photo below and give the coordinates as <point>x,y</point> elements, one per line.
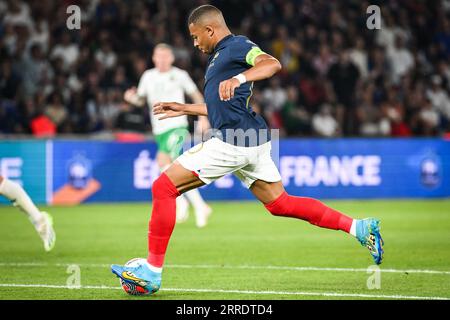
<point>163,188</point>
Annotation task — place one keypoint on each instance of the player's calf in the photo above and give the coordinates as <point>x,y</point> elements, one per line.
<point>311,210</point>
<point>315,212</point>
<point>162,220</point>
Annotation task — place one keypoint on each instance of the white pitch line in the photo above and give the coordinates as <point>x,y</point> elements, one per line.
<point>282,293</point>
<point>211,266</point>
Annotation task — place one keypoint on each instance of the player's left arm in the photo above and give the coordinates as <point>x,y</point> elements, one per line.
<point>264,66</point>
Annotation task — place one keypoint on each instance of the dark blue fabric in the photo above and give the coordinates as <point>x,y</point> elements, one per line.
<point>225,117</point>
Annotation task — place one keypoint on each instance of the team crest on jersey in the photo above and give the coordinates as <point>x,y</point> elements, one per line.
<point>212,61</point>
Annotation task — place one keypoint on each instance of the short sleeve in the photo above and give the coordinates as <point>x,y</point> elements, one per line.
<point>245,51</point>
<point>142,86</point>
<point>188,84</point>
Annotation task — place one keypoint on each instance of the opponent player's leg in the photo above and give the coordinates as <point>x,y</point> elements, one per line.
<point>201,209</point>
<point>170,145</point>
<point>280,203</point>
<point>42,221</point>
<point>166,188</point>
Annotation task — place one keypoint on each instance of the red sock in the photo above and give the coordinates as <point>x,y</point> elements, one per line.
<point>311,210</point>
<point>162,221</point>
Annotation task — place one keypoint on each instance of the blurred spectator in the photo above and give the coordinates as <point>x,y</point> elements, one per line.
<point>42,126</point>
<point>323,122</point>
<point>106,56</point>
<point>439,99</point>
<point>131,119</point>
<point>18,14</point>
<point>66,50</point>
<point>296,120</point>
<point>324,60</point>
<point>428,119</point>
<point>371,122</point>
<point>400,59</point>
<point>393,110</point>
<point>344,77</point>
<point>55,110</point>
<point>9,80</point>
<point>36,71</point>
<point>359,57</point>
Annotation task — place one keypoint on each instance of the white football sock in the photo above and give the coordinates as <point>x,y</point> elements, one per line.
<point>353,228</point>
<point>196,200</point>
<point>153,268</point>
<point>15,193</point>
<point>182,208</point>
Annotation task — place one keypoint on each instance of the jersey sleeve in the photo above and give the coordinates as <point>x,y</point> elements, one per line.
<point>143,83</point>
<point>245,51</point>
<point>188,84</point>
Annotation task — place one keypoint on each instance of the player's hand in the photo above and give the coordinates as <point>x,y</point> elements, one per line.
<point>227,87</point>
<point>130,95</point>
<point>169,109</point>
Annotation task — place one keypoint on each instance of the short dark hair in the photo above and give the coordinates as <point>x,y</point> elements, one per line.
<point>201,11</point>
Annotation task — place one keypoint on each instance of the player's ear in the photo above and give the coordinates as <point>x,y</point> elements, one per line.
<point>210,31</point>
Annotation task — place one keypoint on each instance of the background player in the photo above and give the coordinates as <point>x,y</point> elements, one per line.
<point>42,221</point>
<point>234,63</point>
<point>168,83</point>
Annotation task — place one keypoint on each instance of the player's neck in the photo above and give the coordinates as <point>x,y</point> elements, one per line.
<point>221,34</point>
<point>164,70</point>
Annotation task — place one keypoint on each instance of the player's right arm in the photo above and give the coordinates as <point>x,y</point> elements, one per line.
<point>133,98</point>
<point>175,109</point>
<point>138,96</point>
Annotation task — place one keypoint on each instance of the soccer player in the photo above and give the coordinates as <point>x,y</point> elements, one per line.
<point>168,83</point>
<point>42,221</point>
<point>234,64</point>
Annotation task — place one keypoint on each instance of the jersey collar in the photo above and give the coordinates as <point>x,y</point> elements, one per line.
<point>222,42</point>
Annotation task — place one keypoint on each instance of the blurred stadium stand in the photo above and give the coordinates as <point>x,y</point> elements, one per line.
<point>339,77</point>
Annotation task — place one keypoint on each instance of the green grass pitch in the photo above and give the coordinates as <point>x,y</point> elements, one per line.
<point>244,253</point>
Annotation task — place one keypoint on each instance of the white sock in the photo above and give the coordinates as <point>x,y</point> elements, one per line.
<point>196,200</point>
<point>153,268</point>
<point>14,192</point>
<point>353,228</point>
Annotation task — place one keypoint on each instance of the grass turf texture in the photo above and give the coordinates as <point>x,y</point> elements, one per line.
<point>232,253</point>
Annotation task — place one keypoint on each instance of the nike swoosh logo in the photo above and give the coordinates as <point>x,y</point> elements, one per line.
<point>128,276</point>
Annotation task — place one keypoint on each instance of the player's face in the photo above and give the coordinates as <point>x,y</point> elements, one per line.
<point>202,40</point>
<point>163,59</point>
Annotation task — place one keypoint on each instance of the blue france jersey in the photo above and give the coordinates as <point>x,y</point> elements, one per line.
<point>231,57</point>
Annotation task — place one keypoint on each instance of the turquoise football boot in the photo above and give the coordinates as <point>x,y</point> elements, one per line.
<point>140,276</point>
<point>368,234</point>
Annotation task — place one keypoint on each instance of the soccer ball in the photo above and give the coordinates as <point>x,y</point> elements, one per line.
<point>133,289</point>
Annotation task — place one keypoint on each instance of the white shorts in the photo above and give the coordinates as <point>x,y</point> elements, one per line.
<point>214,159</point>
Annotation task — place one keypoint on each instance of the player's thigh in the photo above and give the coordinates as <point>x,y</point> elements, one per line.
<point>261,175</point>
<point>182,178</point>
<point>212,159</point>
<point>267,192</point>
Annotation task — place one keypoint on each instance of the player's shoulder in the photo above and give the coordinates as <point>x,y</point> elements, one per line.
<point>148,73</point>
<point>179,72</point>
<point>242,40</point>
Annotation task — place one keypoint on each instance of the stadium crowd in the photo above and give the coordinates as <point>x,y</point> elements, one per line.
<point>339,77</point>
